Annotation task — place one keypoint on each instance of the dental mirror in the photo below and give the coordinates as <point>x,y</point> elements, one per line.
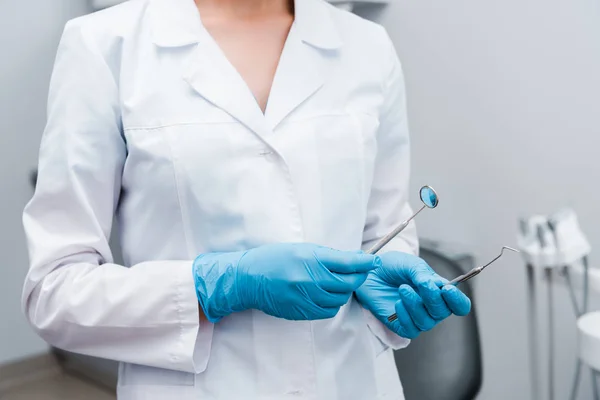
<point>429,198</point>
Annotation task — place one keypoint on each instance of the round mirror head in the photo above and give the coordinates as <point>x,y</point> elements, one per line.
<point>429,197</point>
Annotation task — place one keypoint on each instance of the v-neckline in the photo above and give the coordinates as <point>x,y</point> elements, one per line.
<point>238,74</point>
<point>305,64</point>
<point>279,67</point>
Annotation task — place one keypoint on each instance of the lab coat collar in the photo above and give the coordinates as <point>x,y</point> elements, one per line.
<point>304,66</point>
<point>174,23</point>
<point>315,24</point>
<point>177,23</point>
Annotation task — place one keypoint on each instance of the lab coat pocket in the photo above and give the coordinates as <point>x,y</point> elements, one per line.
<point>346,148</point>
<point>211,162</point>
<point>340,151</point>
<point>331,163</point>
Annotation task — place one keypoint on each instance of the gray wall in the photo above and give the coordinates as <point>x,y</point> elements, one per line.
<point>29,34</point>
<point>504,107</point>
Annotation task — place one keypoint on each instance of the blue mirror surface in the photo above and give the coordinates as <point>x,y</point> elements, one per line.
<point>429,197</point>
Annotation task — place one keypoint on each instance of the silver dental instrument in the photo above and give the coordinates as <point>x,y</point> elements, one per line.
<point>465,277</point>
<point>429,198</point>
<point>476,271</point>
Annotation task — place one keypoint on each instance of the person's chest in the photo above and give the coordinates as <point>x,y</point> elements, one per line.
<point>253,48</point>
<point>199,143</point>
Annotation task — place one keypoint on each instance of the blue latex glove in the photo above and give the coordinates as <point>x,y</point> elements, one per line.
<point>291,281</point>
<point>407,286</point>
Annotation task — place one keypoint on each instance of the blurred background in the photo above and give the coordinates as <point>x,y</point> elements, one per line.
<point>505,114</point>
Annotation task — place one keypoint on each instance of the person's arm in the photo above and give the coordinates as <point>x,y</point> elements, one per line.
<point>77,299</point>
<point>388,204</point>
<point>74,296</point>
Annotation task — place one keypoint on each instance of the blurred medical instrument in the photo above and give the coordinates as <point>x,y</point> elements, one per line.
<point>429,198</point>
<point>465,277</point>
<point>551,244</point>
<point>476,271</point>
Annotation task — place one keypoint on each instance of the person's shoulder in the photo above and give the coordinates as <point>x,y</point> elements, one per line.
<point>112,22</point>
<point>366,45</point>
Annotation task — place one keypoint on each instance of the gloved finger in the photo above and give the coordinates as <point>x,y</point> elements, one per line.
<point>341,283</point>
<point>400,268</point>
<point>346,262</point>
<point>404,325</point>
<point>323,298</point>
<point>458,302</point>
<point>416,309</point>
<point>421,274</point>
<point>432,299</point>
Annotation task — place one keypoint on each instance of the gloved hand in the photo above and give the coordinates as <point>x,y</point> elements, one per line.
<point>407,286</point>
<point>291,281</point>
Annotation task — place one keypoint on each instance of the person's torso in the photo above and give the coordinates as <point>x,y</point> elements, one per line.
<point>207,171</point>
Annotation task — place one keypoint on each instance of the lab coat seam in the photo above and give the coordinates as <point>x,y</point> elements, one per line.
<point>178,307</point>
<point>387,65</point>
<point>181,200</point>
<point>294,206</point>
<point>69,321</point>
<point>314,358</point>
<point>359,137</point>
<point>344,113</point>
<point>166,126</point>
<point>186,233</point>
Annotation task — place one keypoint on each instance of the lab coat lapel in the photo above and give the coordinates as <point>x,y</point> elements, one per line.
<point>211,75</point>
<point>176,23</point>
<point>308,58</point>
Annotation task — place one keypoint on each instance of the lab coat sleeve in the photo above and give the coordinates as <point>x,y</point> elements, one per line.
<point>388,203</point>
<point>74,296</point>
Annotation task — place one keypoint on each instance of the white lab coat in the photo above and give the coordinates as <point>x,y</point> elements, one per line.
<point>149,122</point>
